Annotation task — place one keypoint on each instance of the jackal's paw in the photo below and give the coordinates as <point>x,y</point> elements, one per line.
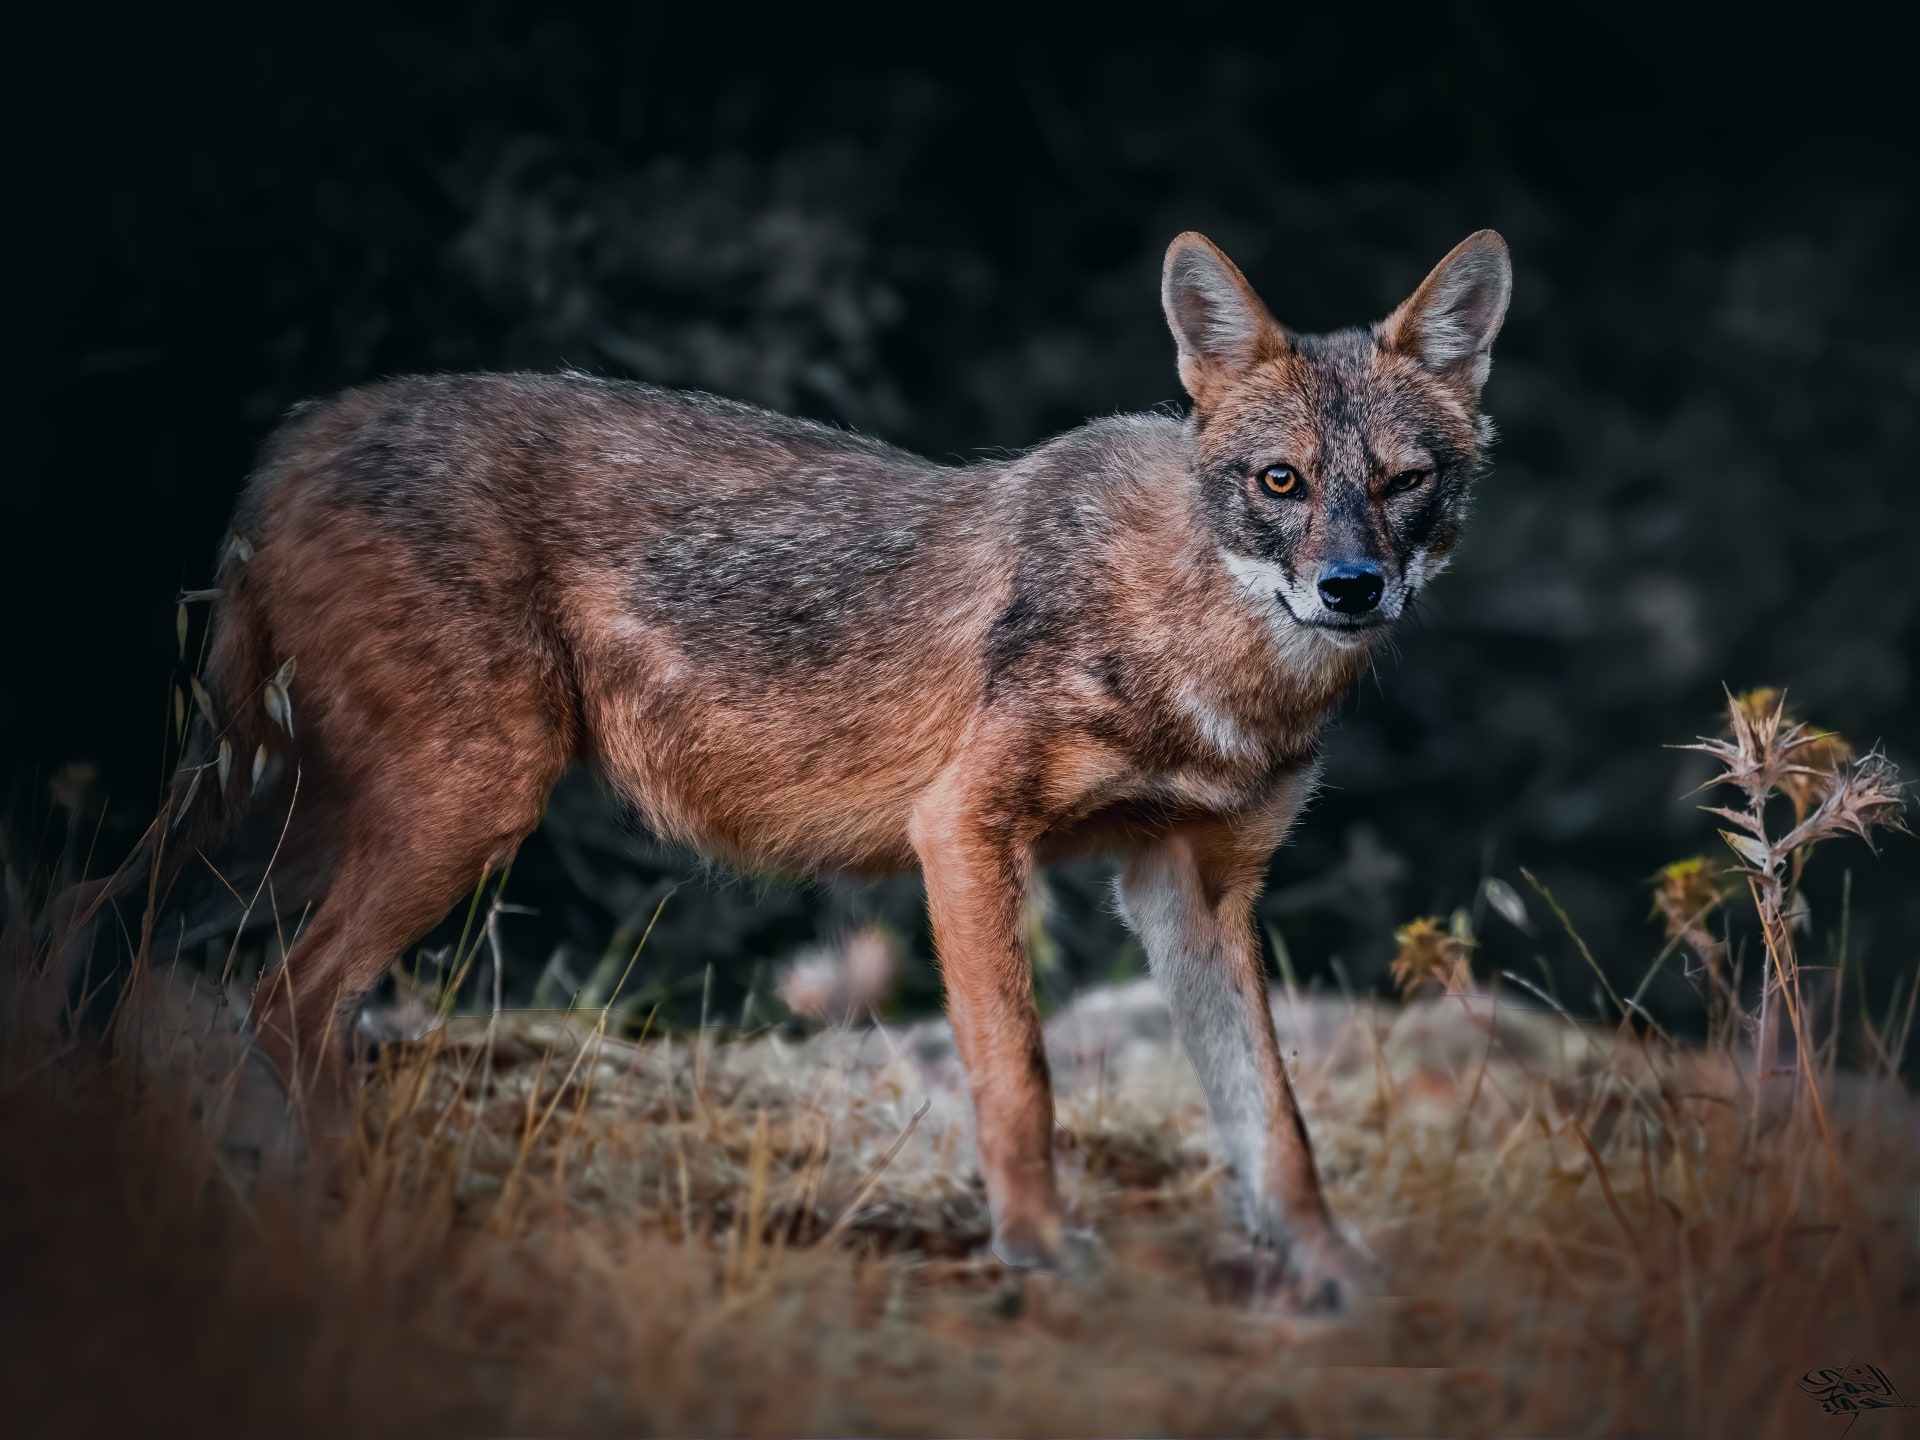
<point>1321,1275</point>
<point>1048,1247</point>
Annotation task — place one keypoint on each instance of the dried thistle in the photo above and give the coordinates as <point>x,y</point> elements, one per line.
<point>1766,753</point>
<point>1426,953</point>
<point>1752,755</point>
<point>1767,749</point>
<point>1770,753</point>
<point>1818,757</point>
<point>1858,796</point>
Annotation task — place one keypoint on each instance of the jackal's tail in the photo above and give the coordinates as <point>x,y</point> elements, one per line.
<point>237,745</point>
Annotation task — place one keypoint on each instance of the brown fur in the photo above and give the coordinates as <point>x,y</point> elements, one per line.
<point>801,650</point>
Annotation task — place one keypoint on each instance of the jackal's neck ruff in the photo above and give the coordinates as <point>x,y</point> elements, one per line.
<point>1195,659</point>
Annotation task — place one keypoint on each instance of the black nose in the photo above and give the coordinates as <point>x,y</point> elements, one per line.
<point>1351,589</point>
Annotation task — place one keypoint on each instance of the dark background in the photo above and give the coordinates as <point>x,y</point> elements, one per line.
<point>951,237</point>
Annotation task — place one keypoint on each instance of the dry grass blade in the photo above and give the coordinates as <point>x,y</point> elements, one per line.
<point>874,1175</point>
<point>1606,1188</point>
<point>1566,922</point>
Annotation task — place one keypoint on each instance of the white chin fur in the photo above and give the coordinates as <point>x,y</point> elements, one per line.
<point>1265,584</point>
<point>1345,640</point>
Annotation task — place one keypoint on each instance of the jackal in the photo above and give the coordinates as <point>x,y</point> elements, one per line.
<point>799,649</point>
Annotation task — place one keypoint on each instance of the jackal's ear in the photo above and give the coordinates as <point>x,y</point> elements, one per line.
<point>1218,323</point>
<point>1448,324</point>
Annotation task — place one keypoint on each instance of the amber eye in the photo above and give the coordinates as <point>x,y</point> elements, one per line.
<point>1281,479</point>
<point>1405,481</point>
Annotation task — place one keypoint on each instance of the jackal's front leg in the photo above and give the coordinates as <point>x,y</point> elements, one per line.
<point>977,869</point>
<point>1190,898</point>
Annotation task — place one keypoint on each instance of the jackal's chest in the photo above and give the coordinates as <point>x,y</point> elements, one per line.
<point>1101,791</point>
<point>1200,745</point>
<point>1138,804</point>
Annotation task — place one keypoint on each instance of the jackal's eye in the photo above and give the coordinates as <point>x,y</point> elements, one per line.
<point>1281,479</point>
<point>1405,481</point>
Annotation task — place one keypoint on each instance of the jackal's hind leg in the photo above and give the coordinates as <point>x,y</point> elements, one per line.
<point>1190,898</point>
<point>417,838</point>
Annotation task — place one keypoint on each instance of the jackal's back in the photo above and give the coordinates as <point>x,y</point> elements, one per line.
<point>737,614</point>
<point>711,510</point>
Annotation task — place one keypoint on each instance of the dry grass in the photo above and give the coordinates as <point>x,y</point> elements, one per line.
<point>540,1228</point>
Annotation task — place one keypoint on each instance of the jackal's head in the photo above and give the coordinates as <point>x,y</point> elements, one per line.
<point>1334,468</point>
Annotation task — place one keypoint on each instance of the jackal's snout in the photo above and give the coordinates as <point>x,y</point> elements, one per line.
<point>1351,588</point>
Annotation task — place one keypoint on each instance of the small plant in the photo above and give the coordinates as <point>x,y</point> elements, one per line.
<point>1685,894</point>
<point>1427,955</point>
<point>1767,753</point>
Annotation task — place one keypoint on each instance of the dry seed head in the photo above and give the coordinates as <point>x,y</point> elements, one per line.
<point>1760,735</point>
<point>1687,889</point>
<point>278,702</point>
<point>1759,713</point>
<point>1831,791</point>
<point>1507,904</point>
<point>1865,795</point>
<point>1768,751</point>
<point>1684,894</point>
<point>1819,756</point>
<point>279,709</point>
<point>1426,952</point>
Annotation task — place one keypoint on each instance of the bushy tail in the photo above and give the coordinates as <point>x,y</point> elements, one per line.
<point>235,747</point>
<point>241,724</point>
